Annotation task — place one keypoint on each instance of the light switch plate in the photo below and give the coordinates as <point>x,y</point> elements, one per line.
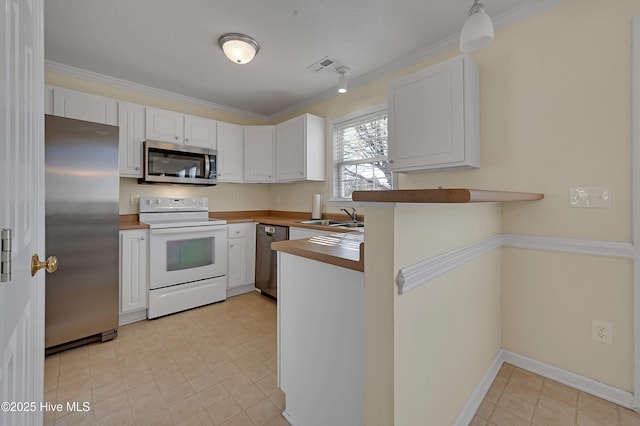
<point>590,197</point>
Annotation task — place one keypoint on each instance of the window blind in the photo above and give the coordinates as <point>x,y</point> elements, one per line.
<point>360,153</point>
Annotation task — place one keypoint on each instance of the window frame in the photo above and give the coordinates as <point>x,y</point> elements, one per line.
<point>335,201</point>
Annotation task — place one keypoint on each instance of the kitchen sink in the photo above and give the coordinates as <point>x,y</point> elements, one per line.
<point>349,225</point>
<point>333,223</point>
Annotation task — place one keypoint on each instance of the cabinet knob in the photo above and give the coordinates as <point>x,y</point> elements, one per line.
<point>177,138</point>
<point>142,238</point>
<point>186,139</point>
<point>269,176</point>
<point>137,168</point>
<point>390,161</point>
<point>301,173</point>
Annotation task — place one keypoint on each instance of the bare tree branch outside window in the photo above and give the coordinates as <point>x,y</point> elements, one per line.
<point>361,155</point>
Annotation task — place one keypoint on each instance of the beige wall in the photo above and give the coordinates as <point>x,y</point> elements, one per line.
<point>549,301</point>
<point>427,350</point>
<point>222,197</point>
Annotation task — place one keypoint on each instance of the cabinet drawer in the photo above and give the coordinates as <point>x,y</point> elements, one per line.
<point>238,230</point>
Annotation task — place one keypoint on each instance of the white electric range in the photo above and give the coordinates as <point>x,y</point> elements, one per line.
<point>187,254</point>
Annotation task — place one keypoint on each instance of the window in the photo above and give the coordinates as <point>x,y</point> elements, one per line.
<point>360,154</point>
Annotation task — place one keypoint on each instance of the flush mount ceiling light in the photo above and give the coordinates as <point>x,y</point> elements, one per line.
<point>239,48</point>
<point>342,80</point>
<point>477,32</point>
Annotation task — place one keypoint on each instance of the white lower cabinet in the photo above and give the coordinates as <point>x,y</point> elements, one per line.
<point>134,286</point>
<point>241,238</point>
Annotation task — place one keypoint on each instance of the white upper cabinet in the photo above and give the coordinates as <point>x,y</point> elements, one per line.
<point>434,118</point>
<point>200,132</point>
<point>170,126</point>
<point>84,106</point>
<point>258,154</point>
<point>299,149</point>
<point>131,121</point>
<point>164,126</point>
<point>229,152</point>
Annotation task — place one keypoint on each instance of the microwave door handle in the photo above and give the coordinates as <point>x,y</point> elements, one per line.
<point>207,166</point>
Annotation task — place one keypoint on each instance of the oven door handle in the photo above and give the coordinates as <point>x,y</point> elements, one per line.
<point>186,230</point>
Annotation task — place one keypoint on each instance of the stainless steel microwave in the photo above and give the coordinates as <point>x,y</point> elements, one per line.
<point>179,164</point>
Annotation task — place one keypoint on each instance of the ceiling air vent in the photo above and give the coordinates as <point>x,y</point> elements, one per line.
<point>321,64</point>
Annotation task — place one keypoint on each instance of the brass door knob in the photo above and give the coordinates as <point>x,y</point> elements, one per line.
<point>51,264</point>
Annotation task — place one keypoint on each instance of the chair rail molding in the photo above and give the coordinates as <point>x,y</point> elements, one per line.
<point>419,273</point>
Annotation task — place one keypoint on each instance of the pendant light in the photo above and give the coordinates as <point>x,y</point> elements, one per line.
<point>342,80</point>
<point>477,32</point>
<point>239,48</point>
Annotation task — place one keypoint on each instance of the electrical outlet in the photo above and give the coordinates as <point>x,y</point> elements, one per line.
<point>135,199</point>
<point>236,200</point>
<point>590,197</point>
<point>602,331</point>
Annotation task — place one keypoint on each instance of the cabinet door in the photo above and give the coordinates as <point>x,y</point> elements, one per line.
<point>290,150</point>
<point>237,274</point>
<point>250,229</point>
<point>229,152</point>
<point>433,118</point>
<point>133,270</point>
<point>84,106</point>
<point>164,126</point>
<point>200,132</point>
<point>131,120</point>
<point>258,153</point>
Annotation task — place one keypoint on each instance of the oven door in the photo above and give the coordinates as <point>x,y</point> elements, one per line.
<point>181,255</point>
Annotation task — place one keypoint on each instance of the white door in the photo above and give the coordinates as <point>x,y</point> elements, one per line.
<point>22,208</point>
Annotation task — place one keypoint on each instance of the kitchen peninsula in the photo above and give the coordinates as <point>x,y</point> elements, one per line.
<point>410,338</point>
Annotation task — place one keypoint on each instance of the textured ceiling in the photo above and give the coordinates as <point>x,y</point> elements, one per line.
<point>172,44</point>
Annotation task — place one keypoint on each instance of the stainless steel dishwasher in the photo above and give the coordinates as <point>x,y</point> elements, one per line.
<point>267,259</point>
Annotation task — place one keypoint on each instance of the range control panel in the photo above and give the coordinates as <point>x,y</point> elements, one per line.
<point>173,204</point>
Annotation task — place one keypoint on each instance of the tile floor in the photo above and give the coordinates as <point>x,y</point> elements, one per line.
<point>214,365</point>
<point>518,397</point>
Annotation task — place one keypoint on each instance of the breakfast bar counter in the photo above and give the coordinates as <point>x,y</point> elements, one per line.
<point>440,195</point>
<point>339,249</point>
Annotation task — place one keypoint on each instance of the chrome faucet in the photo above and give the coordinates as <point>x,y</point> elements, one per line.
<point>353,214</point>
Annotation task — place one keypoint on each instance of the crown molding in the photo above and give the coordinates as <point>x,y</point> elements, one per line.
<point>531,8</point>
<point>147,90</point>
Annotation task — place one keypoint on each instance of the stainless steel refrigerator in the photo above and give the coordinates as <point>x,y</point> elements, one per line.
<point>81,228</point>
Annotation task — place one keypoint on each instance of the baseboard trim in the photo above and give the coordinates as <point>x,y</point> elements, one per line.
<point>474,401</point>
<point>235,291</point>
<point>131,317</point>
<point>289,418</point>
<point>576,381</point>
